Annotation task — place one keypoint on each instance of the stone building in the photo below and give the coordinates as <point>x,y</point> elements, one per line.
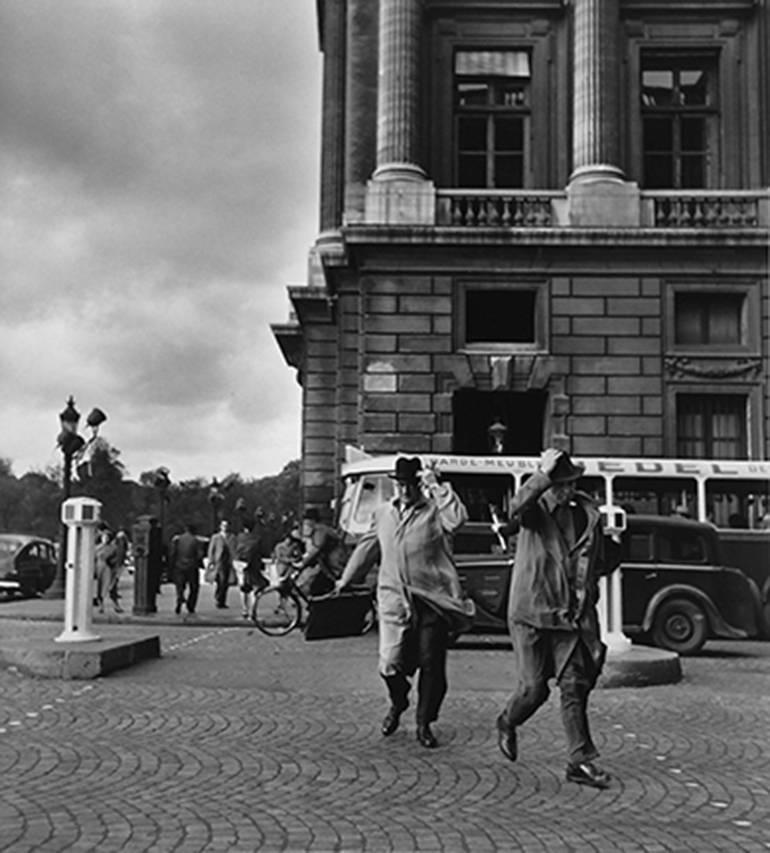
<point>548,215</point>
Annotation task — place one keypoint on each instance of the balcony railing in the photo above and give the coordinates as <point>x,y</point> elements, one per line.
<point>703,209</point>
<point>496,208</point>
<point>744,209</point>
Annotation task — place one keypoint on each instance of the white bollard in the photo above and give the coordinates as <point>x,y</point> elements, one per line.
<point>82,516</point>
<point>610,587</point>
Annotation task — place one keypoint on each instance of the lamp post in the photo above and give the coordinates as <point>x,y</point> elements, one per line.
<point>162,481</point>
<point>216,499</point>
<point>70,443</point>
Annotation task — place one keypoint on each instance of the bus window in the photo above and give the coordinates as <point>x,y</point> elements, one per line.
<point>656,495</point>
<point>737,504</point>
<point>596,487</point>
<point>478,491</point>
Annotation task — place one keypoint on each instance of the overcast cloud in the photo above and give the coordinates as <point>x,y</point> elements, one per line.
<point>158,191</point>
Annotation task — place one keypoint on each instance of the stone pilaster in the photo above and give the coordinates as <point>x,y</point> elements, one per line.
<point>597,192</point>
<point>399,191</point>
<point>360,103</point>
<point>332,120</point>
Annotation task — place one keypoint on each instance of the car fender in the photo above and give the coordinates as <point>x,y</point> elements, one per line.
<point>717,625</point>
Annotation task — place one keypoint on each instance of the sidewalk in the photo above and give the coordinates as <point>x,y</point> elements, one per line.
<point>41,609</point>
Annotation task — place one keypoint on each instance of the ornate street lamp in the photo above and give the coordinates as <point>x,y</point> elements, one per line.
<point>496,433</point>
<point>70,443</point>
<point>216,499</point>
<point>162,481</point>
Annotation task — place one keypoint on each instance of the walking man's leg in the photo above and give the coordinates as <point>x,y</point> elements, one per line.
<point>575,683</point>
<point>194,583</point>
<point>432,641</point>
<point>533,666</point>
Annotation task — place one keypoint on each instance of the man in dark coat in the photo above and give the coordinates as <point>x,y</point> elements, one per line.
<point>186,559</point>
<point>560,552</point>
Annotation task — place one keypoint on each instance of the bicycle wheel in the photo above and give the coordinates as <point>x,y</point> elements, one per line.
<point>276,612</point>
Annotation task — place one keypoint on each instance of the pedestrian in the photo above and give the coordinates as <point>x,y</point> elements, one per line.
<point>249,551</point>
<point>120,558</point>
<point>220,558</point>
<point>186,560</point>
<point>420,604</point>
<point>561,550</point>
<point>104,557</point>
<point>324,556</point>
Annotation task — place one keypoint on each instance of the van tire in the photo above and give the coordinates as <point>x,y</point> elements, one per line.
<point>680,625</point>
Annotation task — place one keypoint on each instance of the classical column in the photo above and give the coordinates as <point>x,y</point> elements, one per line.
<point>332,121</point>
<point>399,191</point>
<point>397,102</point>
<point>596,135</point>
<point>597,194</point>
<point>360,104</point>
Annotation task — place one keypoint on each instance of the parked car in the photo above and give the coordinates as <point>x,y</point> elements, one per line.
<point>676,592</point>
<point>27,564</point>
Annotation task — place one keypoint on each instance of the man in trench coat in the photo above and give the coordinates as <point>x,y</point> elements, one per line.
<point>419,598</point>
<point>560,552</point>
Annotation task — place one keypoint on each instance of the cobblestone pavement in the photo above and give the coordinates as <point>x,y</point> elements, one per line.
<point>236,741</point>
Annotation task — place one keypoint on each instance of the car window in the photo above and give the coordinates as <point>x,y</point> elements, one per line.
<point>638,547</point>
<point>681,546</point>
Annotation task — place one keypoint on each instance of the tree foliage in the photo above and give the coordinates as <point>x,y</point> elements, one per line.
<point>32,503</point>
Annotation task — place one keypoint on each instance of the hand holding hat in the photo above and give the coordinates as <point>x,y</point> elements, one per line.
<point>559,467</point>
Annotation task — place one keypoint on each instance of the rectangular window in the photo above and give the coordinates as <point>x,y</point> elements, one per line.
<point>702,318</point>
<point>679,119</point>
<point>711,426</point>
<point>492,103</point>
<point>501,317</point>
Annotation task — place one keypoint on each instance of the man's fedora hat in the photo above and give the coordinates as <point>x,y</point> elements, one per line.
<point>407,469</point>
<point>567,471</point>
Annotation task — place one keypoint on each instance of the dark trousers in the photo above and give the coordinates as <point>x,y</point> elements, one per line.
<point>184,578</point>
<point>221,583</point>
<point>540,655</point>
<point>426,651</point>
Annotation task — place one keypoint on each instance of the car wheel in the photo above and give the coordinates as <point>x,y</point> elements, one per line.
<point>680,625</point>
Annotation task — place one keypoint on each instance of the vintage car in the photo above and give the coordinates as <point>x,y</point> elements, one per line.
<point>27,564</point>
<point>676,594</point>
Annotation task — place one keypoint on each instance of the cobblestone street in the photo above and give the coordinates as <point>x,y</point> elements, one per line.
<point>235,741</point>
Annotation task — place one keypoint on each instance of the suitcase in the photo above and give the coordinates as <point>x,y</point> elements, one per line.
<point>345,615</point>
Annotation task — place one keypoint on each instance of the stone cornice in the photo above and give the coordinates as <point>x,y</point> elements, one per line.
<point>598,237</point>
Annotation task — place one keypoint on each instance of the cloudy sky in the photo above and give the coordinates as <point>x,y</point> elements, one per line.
<point>158,192</point>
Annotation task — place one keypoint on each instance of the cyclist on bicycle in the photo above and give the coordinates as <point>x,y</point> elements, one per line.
<point>287,552</point>
<point>324,557</point>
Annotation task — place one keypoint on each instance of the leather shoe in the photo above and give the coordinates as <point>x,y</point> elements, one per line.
<point>587,773</point>
<point>506,740</point>
<point>426,737</point>
<point>390,723</point>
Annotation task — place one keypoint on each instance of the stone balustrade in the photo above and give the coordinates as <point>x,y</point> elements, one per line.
<point>705,209</point>
<point>744,209</point>
<point>496,208</point>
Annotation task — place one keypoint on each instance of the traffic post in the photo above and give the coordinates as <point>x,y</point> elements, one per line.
<point>81,516</point>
